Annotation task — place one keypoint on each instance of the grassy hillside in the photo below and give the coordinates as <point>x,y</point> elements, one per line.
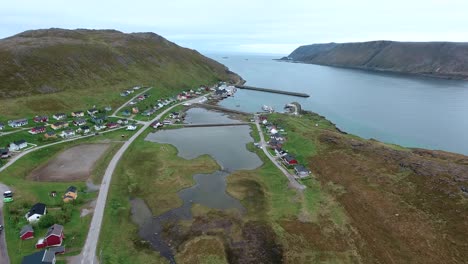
<point>437,59</point>
<point>56,69</point>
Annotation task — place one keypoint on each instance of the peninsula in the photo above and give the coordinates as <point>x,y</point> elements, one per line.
<point>435,59</point>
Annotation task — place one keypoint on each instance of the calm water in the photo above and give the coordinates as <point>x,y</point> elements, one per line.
<point>227,145</point>
<point>405,110</point>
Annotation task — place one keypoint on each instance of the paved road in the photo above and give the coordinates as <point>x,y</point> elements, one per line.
<point>4,259</point>
<point>126,103</point>
<point>292,181</point>
<point>88,255</point>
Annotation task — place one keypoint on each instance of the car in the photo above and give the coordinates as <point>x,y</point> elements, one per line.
<point>8,197</point>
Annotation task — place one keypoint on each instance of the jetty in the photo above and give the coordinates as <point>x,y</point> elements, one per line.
<point>219,108</point>
<point>271,90</point>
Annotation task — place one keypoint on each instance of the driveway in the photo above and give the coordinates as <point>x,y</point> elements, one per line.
<point>4,259</point>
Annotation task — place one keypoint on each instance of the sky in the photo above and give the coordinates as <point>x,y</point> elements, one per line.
<point>254,26</point>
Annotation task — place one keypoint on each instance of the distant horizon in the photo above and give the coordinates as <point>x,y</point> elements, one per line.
<point>246,26</point>
<point>227,52</point>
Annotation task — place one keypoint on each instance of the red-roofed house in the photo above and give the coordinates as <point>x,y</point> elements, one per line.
<point>54,237</point>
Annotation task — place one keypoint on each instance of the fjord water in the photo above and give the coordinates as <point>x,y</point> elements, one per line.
<point>407,110</point>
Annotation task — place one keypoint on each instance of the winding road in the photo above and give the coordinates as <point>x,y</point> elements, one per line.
<point>292,181</point>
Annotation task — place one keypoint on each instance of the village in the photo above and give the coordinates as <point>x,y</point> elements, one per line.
<point>92,122</point>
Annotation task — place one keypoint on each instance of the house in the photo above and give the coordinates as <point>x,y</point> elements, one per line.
<point>289,160</point>
<point>53,238</point>
<point>41,119</point>
<point>27,232</point>
<point>280,152</point>
<point>126,113</point>
<point>59,116</point>
<point>136,88</point>
<point>135,110</point>
<point>141,98</point>
<point>167,122</point>
<point>2,126</point>
<point>107,108</point>
<point>84,130</point>
<point>301,171</point>
<point>79,122</point>
<point>40,257</point>
<point>36,212</point>
<point>148,112</point>
<point>59,125</point>
<point>71,194</point>
<point>131,127</point>
<point>124,93</point>
<point>18,122</point>
<point>156,124</point>
<point>274,144</point>
<point>37,130</point>
<point>92,111</point>
<point>4,153</point>
<point>98,120</point>
<point>78,114</point>
<point>112,125</point>
<point>99,127</point>
<point>67,133</point>
<point>122,121</point>
<point>50,134</point>
<point>18,145</point>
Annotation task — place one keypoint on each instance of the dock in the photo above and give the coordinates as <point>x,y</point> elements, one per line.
<point>219,108</point>
<point>271,91</point>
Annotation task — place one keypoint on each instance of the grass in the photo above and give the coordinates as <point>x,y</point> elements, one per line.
<point>29,192</point>
<point>155,173</point>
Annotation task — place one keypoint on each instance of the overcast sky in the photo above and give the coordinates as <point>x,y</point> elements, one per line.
<point>259,26</point>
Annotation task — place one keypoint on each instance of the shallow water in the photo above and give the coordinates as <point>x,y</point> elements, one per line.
<point>227,145</point>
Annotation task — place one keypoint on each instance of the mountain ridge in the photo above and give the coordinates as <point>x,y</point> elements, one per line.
<point>53,60</point>
<point>436,59</point>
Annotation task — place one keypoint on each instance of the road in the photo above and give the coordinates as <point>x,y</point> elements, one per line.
<point>292,181</point>
<point>126,103</point>
<point>88,254</point>
<point>4,259</point>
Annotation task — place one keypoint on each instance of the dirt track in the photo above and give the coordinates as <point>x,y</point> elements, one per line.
<point>73,164</point>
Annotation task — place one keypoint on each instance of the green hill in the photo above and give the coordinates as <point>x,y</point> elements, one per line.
<point>435,59</point>
<point>55,69</point>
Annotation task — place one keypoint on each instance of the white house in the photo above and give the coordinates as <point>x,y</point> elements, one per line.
<point>2,126</point>
<point>18,123</point>
<point>131,127</point>
<point>18,145</point>
<point>59,116</point>
<point>67,133</point>
<point>36,212</point>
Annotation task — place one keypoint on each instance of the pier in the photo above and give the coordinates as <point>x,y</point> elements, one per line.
<point>271,91</point>
<point>219,108</point>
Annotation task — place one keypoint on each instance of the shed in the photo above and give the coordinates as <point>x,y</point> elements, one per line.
<point>27,232</point>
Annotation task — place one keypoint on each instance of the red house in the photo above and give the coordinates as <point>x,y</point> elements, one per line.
<point>37,130</point>
<point>54,237</point>
<point>39,119</point>
<point>112,125</point>
<point>27,232</point>
<point>289,160</point>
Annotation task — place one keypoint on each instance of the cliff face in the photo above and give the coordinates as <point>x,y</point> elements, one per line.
<point>437,59</point>
<point>53,60</point>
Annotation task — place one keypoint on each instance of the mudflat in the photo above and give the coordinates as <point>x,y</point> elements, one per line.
<point>73,164</point>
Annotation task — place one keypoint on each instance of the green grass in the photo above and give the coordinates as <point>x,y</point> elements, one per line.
<point>29,192</point>
<point>154,173</point>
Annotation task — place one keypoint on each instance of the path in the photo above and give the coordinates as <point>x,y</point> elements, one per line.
<point>4,259</point>
<point>292,181</point>
<point>126,103</point>
<point>88,254</point>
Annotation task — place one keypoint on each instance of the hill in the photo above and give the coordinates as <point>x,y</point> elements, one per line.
<point>436,59</point>
<point>81,63</point>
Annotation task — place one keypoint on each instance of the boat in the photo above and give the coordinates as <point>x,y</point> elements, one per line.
<point>237,105</point>
<point>267,108</point>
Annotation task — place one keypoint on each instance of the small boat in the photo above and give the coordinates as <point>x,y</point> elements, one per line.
<point>267,108</point>
<point>237,105</point>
